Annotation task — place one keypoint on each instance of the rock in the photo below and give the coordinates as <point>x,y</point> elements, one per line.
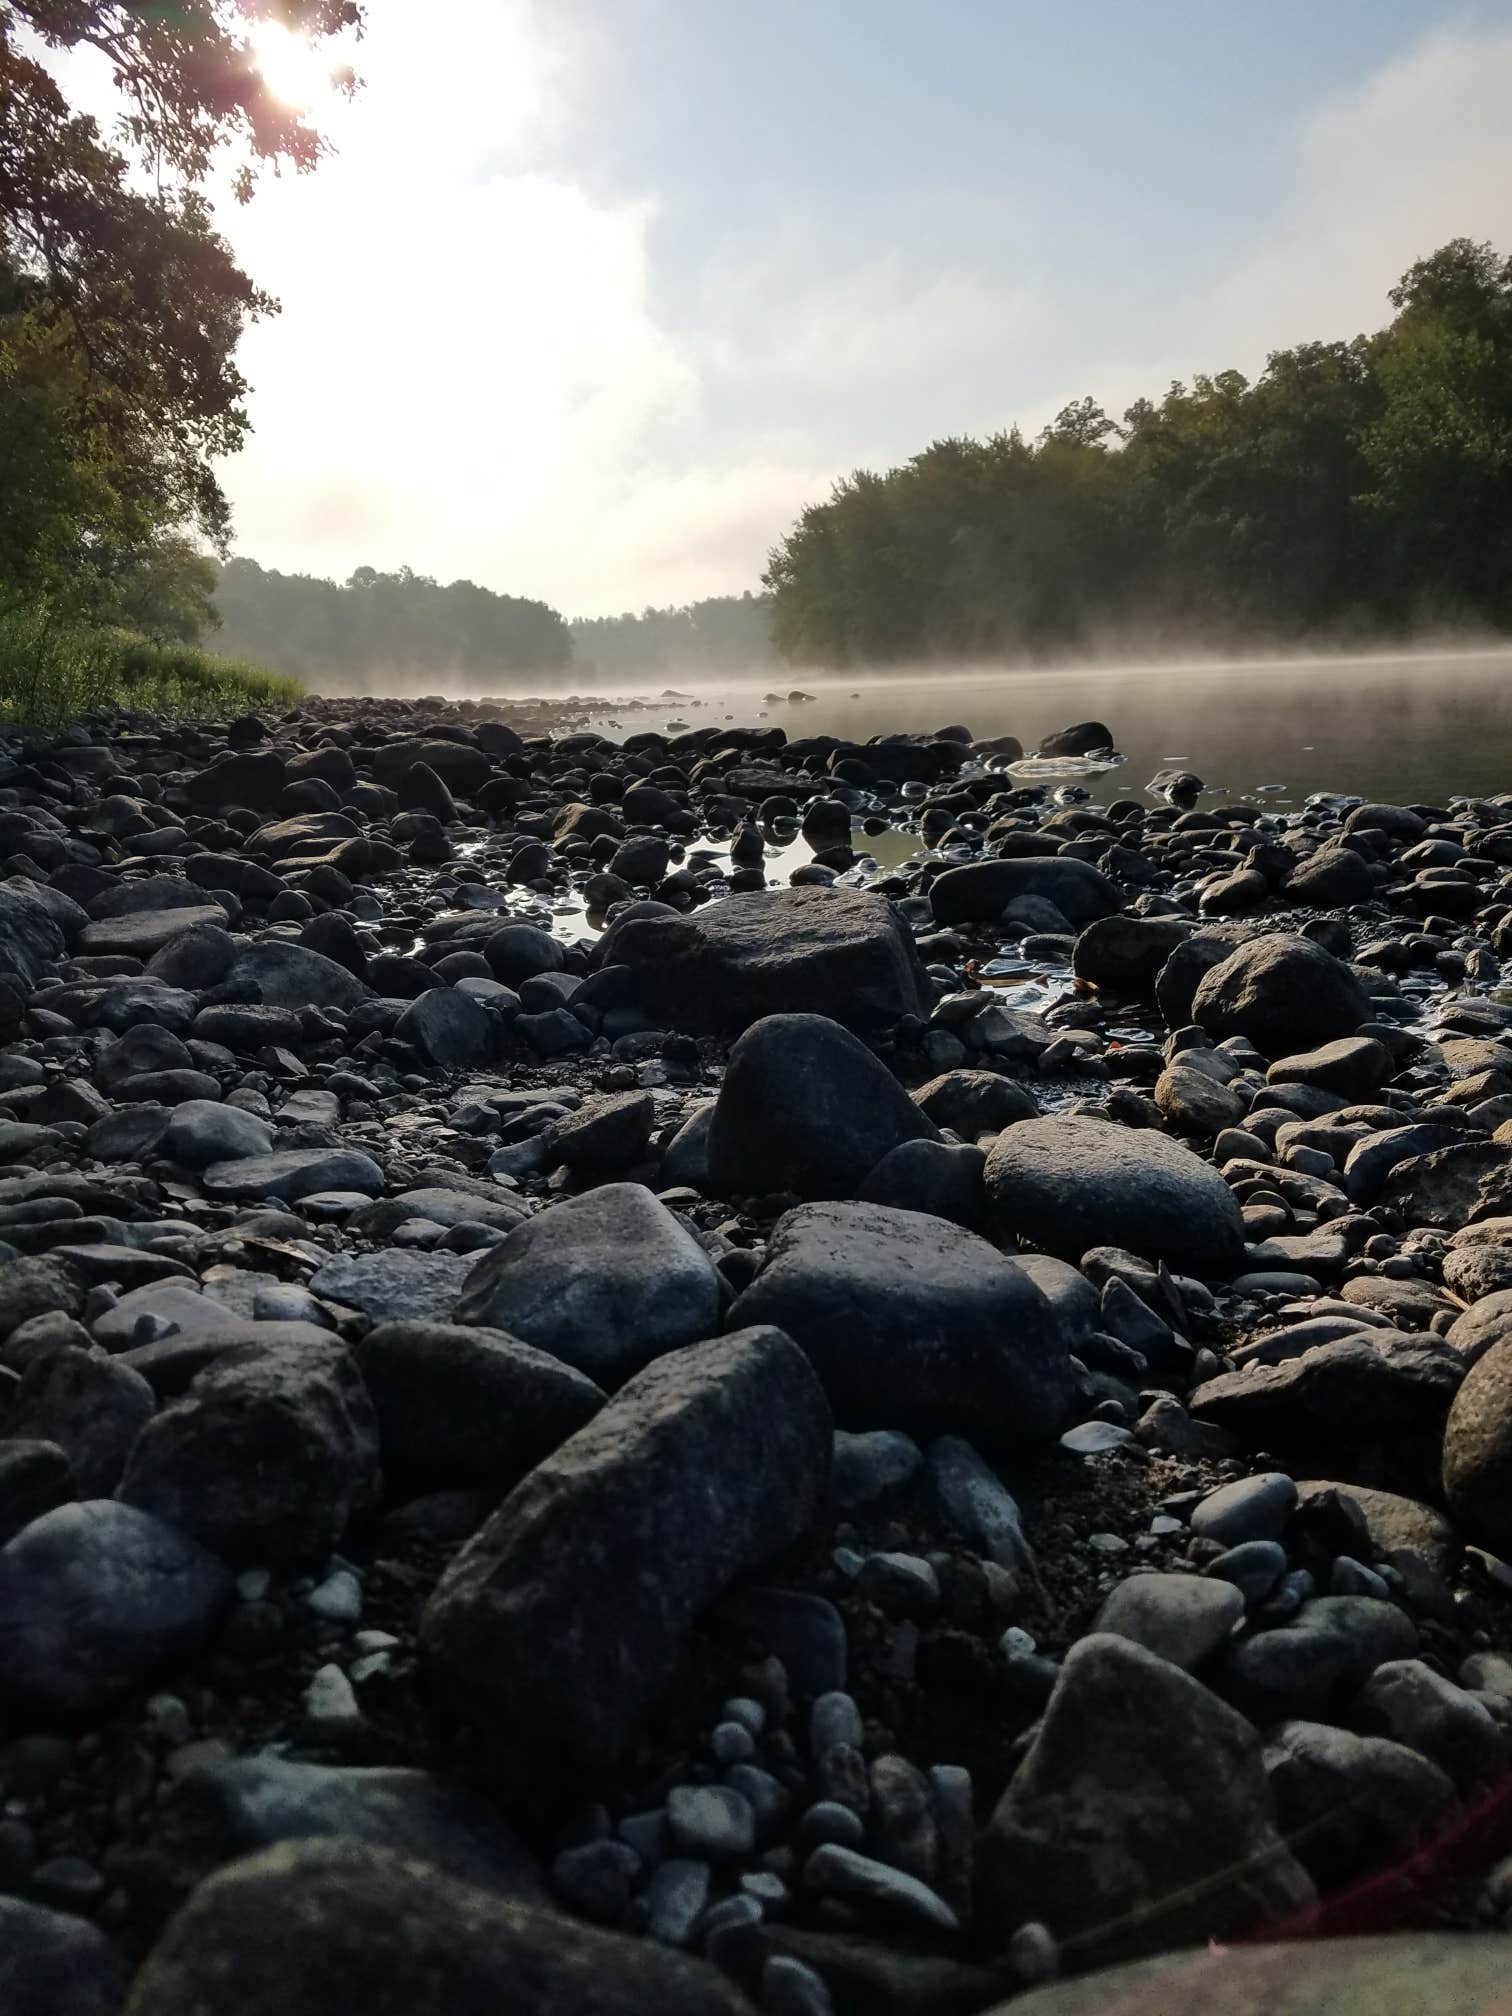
<point>238,1806</point>
<point>1406,1700</point>
<point>841,1872</point>
<point>1335,878</point>
<point>547,1630</point>
<point>605,1282</point>
<point>291,976</point>
<point>711,1821</point>
<point>981,1508</point>
<point>1395,1521</point>
<point>1124,954</point>
<point>1317,1661</point>
<point>469,1409</point>
<point>983,889</point>
<point>1353,1066</point>
<point>605,1134</point>
<point>96,1596</point>
<point>1069,1184</point>
<point>1403,1974</point>
<point>1378,1387</point>
<point>1477,1471</point>
<point>1486,1322</point>
<point>1178,1617</point>
<point>805,1107</point>
<point>395,1284</point>
<point>38,1287</point>
<point>30,939</point>
<point>932,1177</point>
<point>1141,1816</point>
<point>141,933</point>
<point>1282,992</point>
<point>292,1173</point>
<point>1195,1104</point>
<point>34,1477</point>
<point>868,1466</point>
<point>1448,1187</point>
<point>1083,738</point>
<point>841,953</point>
<point>448,1028</point>
<point>975,1102</point>
<point>311,1927</point>
<point>1351,1803</point>
<point>55,1964</point>
<point>1252,1508</point>
<point>442,1207</point>
<point>90,1406</point>
<point>910,1321</point>
<point>203,1131</point>
<point>268,1454</point>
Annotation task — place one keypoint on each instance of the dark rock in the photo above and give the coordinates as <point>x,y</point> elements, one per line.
<point>1283,993</point>
<point>464,1408</point>
<point>292,976</point>
<point>34,1477</point>
<point>448,1028</point>
<point>266,1457</point>
<point>548,1630</point>
<point>909,1320</point>
<point>1141,1816</point>
<point>841,953</point>
<point>1478,1452</point>
<point>53,1963</point>
<point>929,1176</point>
<point>806,1108</point>
<point>971,1103</point>
<point>1350,1803</point>
<point>1068,1184</point>
<point>91,1406</point>
<point>94,1597</point>
<point>1319,1660</point>
<point>1124,954</point>
<point>984,889</point>
<point>605,1282</point>
<point>394,1284</point>
<point>312,1927</point>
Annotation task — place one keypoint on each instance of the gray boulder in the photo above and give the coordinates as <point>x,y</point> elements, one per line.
<point>394,1283</point>
<point>1141,1817</point>
<point>202,1131</point>
<point>91,1406</point>
<point>836,952</point>
<point>96,1596</point>
<point>806,1107</point>
<point>467,1409</point>
<point>605,1282</point>
<point>910,1321</point>
<point>1283,992</point>
<point>292,976</point>
<point>449,1028</point>
<point>1069,1183</point>
<point>564,1619</point>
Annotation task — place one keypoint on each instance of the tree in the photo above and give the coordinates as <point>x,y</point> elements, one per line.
<point>120,306</point>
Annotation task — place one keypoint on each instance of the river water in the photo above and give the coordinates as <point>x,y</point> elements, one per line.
<point>1415,728</point>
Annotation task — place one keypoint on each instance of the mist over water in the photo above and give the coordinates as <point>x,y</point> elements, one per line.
<point>1418,727</point>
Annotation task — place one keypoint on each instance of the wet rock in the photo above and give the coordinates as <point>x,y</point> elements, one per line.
<point>464,1408</point>
<point>1069,1184</point>
<point>1141,1816</point>
<point>96,1596</point>
<point>547,1630</point>
<point>313,1926</point>
<point>910,1321</point>
<point>605,1282</point>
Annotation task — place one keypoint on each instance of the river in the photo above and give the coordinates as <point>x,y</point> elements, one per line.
<point>1412,728</point>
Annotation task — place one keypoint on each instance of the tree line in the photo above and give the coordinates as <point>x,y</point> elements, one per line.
<point>1352,489</point>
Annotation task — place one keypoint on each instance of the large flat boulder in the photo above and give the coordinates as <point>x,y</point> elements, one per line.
<point>912,1323</point>
<point>836,952</point>
<point>566,1617</point>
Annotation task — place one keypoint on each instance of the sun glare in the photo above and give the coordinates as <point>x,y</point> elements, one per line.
<point>291,68</point>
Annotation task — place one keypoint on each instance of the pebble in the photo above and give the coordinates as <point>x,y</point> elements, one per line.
<point>712,1822</point>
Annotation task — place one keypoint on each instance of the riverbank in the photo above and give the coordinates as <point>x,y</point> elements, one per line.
<point>857,1436</point>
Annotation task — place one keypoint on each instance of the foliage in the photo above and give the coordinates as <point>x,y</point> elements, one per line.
<point>120,305</point>
<point>52,671</point>
<point>377,629</point>
<point>1353,487</point>
<point>729,634</point>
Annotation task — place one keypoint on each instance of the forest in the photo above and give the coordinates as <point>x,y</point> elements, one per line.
<point>1352,491</point>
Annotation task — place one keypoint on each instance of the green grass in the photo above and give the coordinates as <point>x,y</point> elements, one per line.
<point>53,671</point>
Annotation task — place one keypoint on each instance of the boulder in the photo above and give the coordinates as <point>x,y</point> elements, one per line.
<point>267,1455</point>
<point>281,975</point>
<point>981,890</point>
<point>1332,879</point>
<point>1348,1803</point>
<point>565,1618</point>
<point>53,1963</point>
<point>1123,955</point>
<point>970,1103</point>
<point>292,1173</point>
<point>450,1029</point>
<point>1070,1183</point>
<point>394,1283</point>
<point>1283,992</point>
<point>911,1322</point>
<point>838,952</point>
<point>314,1927</point>
<point>91,1406</point>
<point>806,1108</point>
<point>1141,1816</point>
<point>605,1282</point>
<point>467,1409</point>
<point>1478,1452</point>
<point>31,941</point>
<point>96,1596</point>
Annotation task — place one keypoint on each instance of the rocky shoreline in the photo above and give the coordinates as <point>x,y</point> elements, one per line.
<point>588,1424</point>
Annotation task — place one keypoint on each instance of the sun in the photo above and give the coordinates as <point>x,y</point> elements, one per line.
<point>291,67</point>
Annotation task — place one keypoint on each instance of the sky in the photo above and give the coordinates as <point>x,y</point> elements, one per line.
<point>595,295</point>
